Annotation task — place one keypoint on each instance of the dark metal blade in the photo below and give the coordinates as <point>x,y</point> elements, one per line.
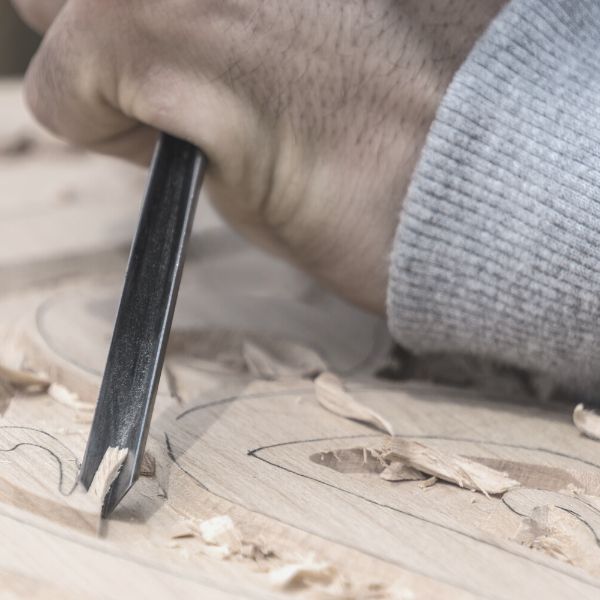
<point>141,333</point>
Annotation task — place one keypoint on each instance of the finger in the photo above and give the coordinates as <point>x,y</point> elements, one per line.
<point>38,14</point>
<point>63,87</point>
<point>100,79</point>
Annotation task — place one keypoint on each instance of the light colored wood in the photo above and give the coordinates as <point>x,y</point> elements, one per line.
<point>263,452</point>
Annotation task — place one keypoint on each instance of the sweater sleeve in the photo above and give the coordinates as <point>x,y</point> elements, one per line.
<point>497,251</point>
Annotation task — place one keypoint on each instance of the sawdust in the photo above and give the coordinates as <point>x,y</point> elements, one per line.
<point>561,535</point>
<point>107,472</point>
<point>275,359</point>
<point>332,395</point>
<point>223,540</point>
<point>587,421</point>
<point>449,467</point>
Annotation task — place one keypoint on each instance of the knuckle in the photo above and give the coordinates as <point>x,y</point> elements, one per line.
<point>43,87</point>
<point>38,14</point>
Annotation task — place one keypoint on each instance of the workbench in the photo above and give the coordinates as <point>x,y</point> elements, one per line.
<point>226,442</point>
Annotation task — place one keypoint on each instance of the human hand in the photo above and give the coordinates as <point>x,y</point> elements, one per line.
<point>312,113</point>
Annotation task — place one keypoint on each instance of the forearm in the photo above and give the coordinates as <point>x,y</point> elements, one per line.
<point>498,252</point>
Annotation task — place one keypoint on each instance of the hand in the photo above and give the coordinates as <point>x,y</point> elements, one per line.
<point>312,113</point>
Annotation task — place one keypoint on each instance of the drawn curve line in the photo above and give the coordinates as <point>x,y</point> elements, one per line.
<point>255,454</point>
<point>56,457</point>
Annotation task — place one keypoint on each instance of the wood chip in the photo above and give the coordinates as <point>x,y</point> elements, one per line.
<point>107,472</point>
<point>332,395</point>
<point>276,359</point>
<point>398,471</point>
<point>23,379</point>
<point>448,467</point>
<point>428,483</point>
<point>221,531</point>
<point>148,466</point>
<point>64,396</point>
<point>562,535</point>
<point>302,574</point>
<point>587,421</point>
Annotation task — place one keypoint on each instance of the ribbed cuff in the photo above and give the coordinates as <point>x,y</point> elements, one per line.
<point>498,248</point>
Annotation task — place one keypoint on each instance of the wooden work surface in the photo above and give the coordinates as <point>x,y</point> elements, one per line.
<point>225,441</point>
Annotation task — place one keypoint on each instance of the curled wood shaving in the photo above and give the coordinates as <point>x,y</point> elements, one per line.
<point>398,471</point>
<point>302,573</point>
<point>332,395</point>
<point>107,472</point>
<point>222,532</point>
<point>448,467</point>
<point>587,421</point>
<point>276,359</point>
<point>23,379</point>
<point>562,535</point>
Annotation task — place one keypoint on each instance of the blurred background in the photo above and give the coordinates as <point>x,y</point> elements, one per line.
<point>17,42</point>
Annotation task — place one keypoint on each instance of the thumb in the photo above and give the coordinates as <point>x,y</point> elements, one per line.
<point>38,14</point>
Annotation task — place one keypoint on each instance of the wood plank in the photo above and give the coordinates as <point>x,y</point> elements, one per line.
<point>261,450</point>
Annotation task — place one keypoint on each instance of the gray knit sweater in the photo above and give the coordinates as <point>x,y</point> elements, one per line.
<point>498,249</point>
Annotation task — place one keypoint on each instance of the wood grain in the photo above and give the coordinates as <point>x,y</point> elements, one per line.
<point>225,442</point>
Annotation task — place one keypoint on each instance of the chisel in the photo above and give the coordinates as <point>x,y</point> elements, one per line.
<point>141,332</point>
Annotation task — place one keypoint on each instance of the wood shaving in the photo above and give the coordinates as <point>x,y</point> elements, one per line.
<point>448,467</point>
<point>277,359</point>
<point>587,421</point>
<point>107,472</point>
<point>332,396</point>
<point>23,379</point>
<point>398,471</point>
<point>562,535</point>
<point>302,574</point>
<point>428,483</point>
<point>221,531</point>
<point>84,412</point>
<point>148,466</point>
<point>182,529</point>
<point>64,396</point>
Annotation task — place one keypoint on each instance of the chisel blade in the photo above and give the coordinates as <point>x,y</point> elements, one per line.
<point>136,354</point>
